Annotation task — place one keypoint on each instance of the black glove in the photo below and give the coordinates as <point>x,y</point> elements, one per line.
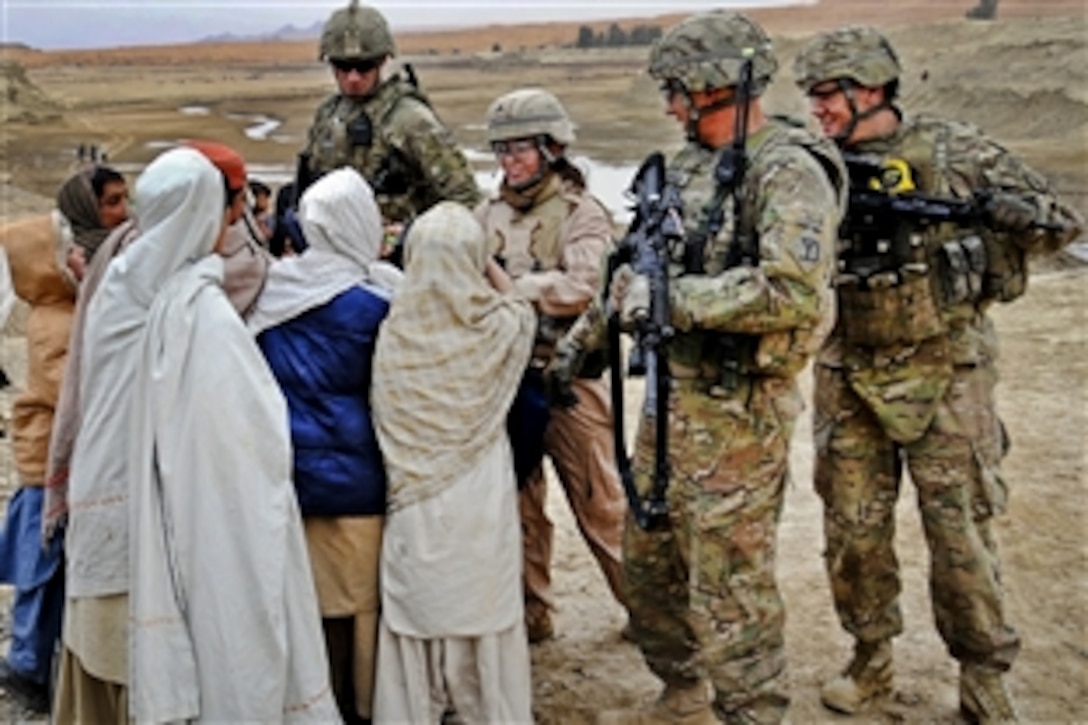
<point>559,375</point>
<point>1010,212</point>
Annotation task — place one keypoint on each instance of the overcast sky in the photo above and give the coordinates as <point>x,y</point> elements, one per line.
<point>53,24</point>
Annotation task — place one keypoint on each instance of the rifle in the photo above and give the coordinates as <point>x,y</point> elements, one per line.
<point>287,199</point>
<point>885,211</point>
<point>657,224</point>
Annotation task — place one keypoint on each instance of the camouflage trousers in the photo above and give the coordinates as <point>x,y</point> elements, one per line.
<point>955,470</point>
<point>702,592</point>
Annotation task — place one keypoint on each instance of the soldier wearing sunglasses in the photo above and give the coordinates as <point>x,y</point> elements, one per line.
<point>384,128</point>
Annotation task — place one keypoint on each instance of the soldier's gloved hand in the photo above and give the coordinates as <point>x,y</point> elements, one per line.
<point>1009,212</point>
<point>630,296</point>
<point>560,372</point>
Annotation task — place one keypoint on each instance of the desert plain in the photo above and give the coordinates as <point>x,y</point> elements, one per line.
<point>1022,78</point>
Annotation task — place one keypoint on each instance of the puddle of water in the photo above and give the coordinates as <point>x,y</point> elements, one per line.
<point>262,129</point>
<point>260,126</point>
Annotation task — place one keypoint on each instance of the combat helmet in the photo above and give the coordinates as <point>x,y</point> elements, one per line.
<point>857,53</point>
<point>529,113</point>
<point>357,32</point>
<point>708,50</point>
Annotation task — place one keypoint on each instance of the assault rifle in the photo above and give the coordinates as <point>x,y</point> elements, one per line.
<point>657,225</point>
<point>287,230</point>
<point>884,189</point>
<point>885,210</point>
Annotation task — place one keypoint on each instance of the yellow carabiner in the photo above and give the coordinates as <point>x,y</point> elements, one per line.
<point>896,177</point>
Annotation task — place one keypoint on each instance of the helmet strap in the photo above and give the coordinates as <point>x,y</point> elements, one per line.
<point>847,87</point>
<point>696,113</point>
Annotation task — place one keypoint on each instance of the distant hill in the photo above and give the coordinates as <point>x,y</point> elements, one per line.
<point>790,21</point>
<point>287,32</point>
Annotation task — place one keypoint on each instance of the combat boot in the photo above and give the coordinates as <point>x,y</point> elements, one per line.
<point>983,697</point>
<point>867,678</point>
<point>678,705</point>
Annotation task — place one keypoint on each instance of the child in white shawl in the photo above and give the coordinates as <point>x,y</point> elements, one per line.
<point>449,359</point>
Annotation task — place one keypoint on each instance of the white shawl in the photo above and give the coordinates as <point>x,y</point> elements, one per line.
<point>225,623</point>
<point>176,200</point>
<point>343,228</point>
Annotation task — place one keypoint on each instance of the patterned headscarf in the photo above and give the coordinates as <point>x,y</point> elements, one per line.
<point>449,358</point>
<point>78,203</point>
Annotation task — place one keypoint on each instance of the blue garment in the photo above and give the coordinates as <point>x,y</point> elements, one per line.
<point>322,360</point>
<point>38,577</point>
<point>526,424</point>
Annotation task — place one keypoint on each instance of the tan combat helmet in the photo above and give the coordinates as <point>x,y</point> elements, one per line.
<point>708,50</point>
<point>856,53</point>
<point>357,32</point>
<point>529,113</point>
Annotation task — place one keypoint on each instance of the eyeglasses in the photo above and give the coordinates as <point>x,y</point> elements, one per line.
<point>362,67</point>
<point>521,147</point>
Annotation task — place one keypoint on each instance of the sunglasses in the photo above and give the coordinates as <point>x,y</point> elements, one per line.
<point>521,147</point>
<point>670,88</point>
<point>361,67</point>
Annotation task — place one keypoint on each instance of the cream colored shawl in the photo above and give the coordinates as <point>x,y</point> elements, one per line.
<point>449,358</point>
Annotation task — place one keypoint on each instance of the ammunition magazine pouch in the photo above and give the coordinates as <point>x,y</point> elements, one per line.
<point>1006,269</point>
<point>888,309</point>
<point>962,270</point>
<point>976,269</point>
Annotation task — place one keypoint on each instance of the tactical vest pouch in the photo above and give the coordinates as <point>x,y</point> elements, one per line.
<point>734,355</point>
<point>1006,275</point>
<point>361,132</point>
<point>888,310</point>
<point>962,270</point>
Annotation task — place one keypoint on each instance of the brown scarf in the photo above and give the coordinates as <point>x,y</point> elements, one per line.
<point>77,201</point>
<point>525,199</point>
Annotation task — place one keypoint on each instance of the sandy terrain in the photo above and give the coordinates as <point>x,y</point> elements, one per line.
<point>1022,79</point>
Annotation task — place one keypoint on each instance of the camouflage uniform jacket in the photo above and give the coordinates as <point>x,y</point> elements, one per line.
<point>553,250</point>
<point>396,141</point>
<point>794,194</point>
<point>904,382</point>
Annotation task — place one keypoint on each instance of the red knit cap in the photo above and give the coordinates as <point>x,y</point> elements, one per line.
<point>226,159</point>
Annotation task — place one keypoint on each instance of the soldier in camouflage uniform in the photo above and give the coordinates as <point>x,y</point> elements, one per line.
<point>385,129</point>
<point>907,377</point>
<point>553,235</point>
<point>704,605</point>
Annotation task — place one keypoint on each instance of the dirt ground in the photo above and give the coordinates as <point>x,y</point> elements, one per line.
<point>1022,80</point>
